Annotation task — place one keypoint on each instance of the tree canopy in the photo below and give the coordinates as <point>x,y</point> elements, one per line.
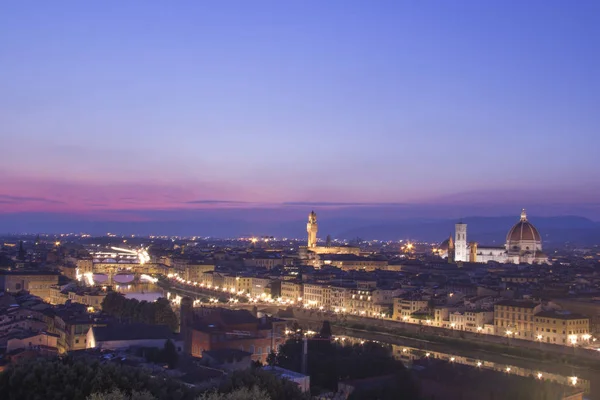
<point>132,310</point>
<point>82,379</point>
<point>117,394</point>
<point>77,379</point>
<point>240,394</point>
<point>274,387</point>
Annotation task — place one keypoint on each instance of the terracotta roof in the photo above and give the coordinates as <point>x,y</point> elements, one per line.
<point>523,230</point>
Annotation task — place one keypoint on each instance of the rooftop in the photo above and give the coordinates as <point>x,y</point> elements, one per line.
<point>226,355</point>
<point>20,273</point>
<point>131,332</point>
<point>518,303</point>
<point>566,315</point>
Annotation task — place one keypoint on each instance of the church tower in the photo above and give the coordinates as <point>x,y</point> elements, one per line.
<point>473,252</point>
<point>312,229</point>
<point>451,250</point>
<point>460,242</point>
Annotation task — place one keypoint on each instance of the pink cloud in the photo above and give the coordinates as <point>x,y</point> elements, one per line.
<point>48,195</point>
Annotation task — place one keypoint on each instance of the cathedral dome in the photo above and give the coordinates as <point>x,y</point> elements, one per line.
<point>523,231</point>
<point>444,245</point>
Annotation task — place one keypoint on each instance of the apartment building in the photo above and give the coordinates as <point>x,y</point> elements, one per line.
<point>260,287</point>
<point>562,327</point>
<point>317,295</point>
<point>38,283</point>
<point>292,291</point>
<point>339,298</point>
<point>193,270</point>
<point>475,320</point>
<point>405,307</point>
<point>515,318</point>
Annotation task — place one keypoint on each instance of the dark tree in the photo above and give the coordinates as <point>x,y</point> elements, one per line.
<point>325,332</point>
<point>271,358</point>
<point>170,354</point>
<point>276,388</point>
<point>132,310</point>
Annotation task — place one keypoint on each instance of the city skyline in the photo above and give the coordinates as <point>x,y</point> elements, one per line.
<point>148,112</point>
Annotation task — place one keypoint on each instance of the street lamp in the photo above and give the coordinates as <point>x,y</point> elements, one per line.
<point>573,339</point>
<point>573,380</point>
<point>509,333</point>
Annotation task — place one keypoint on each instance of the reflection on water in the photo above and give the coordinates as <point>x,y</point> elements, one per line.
<point>408,354</point>
<point>141,291</point>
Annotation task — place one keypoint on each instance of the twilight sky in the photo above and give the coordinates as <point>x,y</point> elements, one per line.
<point>118,110</point>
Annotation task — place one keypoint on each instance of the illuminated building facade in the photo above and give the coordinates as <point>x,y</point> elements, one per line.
<point>523,245</point>
<point>312,248</point>
<point>562,327</point>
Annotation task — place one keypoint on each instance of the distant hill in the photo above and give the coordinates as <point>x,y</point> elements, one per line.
<point>485,230</point>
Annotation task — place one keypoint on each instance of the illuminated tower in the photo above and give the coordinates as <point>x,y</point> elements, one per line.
<point>473,249</point>
<point>460,243</point>
<point>312,229</point>
<point>451,250</point>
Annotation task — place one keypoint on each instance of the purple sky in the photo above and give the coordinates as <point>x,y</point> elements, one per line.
<point>118,109</point>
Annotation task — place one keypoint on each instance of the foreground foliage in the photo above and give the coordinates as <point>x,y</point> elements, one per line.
<point>240,394</point>
<point>274,388</point>
<point>86,380</point>
<point>78,379</point>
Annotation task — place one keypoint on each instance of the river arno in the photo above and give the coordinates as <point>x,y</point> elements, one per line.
<point>409,350</point>
<point>141,291</point>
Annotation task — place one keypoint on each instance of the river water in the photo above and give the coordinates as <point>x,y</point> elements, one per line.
<point>141,291</point>
<point>500,363</point>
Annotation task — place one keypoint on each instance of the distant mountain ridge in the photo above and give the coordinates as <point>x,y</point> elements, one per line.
<point>485,230</point>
